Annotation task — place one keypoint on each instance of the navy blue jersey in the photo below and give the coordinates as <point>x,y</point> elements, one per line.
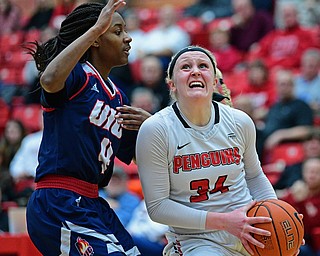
<point>81,136</point>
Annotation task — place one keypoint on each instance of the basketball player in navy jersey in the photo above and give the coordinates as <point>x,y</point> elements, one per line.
<point>87,123</point>
<point>198,165</point>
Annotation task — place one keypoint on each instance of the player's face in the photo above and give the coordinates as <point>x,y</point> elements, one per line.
<point>115,43</point>
<point>193,77</point>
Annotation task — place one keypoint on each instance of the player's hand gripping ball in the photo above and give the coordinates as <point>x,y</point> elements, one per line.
<point>286,228</point>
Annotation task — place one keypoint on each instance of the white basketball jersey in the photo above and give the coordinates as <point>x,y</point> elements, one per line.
<point>207,167</point>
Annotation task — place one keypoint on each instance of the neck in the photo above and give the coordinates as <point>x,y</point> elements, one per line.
<point>198,114</point>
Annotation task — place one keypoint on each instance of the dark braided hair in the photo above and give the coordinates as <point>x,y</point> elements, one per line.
<point>75,25</point>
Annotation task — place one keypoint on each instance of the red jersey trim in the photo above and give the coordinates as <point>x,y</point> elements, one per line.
<point>81,89</point>
<point>47,109</point>
<point>81,187</point>
<point>96,74</point>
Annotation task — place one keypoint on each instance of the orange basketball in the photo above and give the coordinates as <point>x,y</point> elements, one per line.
<point>286,228</point>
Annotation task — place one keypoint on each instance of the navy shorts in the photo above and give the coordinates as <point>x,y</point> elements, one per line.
<point>61,222</point>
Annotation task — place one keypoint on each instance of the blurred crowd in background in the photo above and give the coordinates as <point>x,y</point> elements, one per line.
<point>269,55</point>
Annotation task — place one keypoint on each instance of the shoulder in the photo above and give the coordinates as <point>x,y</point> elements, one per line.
<point>241,118</point>
<point>238,117</point>
<point>236,113</point>
<point>242,121</point>
<point>298,103</point>
<point>158,122</point>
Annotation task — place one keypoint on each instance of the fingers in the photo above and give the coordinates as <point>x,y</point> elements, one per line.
<point>128,109</point>
<point>247,247</point>
<point>256,220</point>
<point>130,124</point>
<point>116,4</point>
<point>250,205</point>
<point>131,118</point>
<point>251,229</point>
<point>248,238</point>
<point>127,119</point>
<point>259,231</point>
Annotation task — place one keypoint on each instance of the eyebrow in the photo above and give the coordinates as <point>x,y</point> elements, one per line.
<point>188,59</point>
<point>118,25</point>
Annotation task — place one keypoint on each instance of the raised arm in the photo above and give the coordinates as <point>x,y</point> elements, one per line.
<point>56,73</point>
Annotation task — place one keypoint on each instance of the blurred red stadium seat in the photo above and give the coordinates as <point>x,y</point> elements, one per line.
<point>17,58</point>
<point>134,185</point>
<point>316,238</point>
<point>29,115</point>
<point>192,25</point>
<point>148,18</point>
<point>131,169</point>
<point>316,121</point>
<point>273,170</point>
<point>17,245</point>
<point>5,205</point>
<point>9,42</point>
<point>235,81</point>
<point>32,35</point>
<point>289,152</point>
<point>201,38</point>
<point>12,75</point>
<point>195,28</point>
<point>221,23</point>
<point>135,70</point>
<point>4,115</point>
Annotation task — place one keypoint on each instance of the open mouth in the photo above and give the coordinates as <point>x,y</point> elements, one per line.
<point>196,85</point>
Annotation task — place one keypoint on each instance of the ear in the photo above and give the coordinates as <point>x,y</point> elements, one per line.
<point>215,82</point>
<point>171,85</point>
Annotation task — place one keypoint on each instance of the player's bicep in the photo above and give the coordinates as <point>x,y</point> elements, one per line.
<point>247,129</point>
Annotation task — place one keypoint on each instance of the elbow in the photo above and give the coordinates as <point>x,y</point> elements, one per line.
<point>50,83</point>
<point>155,216</point>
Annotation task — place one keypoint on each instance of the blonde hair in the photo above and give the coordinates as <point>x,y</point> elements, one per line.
<point>223,89</point>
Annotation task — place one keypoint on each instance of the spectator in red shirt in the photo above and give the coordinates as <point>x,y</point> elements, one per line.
<point>304,195</point>
<point>260,87</point>
<point>283,47</point>
<point>227,56</point>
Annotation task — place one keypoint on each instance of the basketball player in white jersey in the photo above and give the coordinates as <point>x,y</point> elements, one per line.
<point>198,165</point>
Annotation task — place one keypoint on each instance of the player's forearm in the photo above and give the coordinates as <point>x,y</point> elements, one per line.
<point>56,73</point>
<point>174,214</point>
<point>215,221</point>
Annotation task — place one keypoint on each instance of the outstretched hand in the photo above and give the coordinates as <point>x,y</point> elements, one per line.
<point>105,16</point>
<point>131,118</point>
